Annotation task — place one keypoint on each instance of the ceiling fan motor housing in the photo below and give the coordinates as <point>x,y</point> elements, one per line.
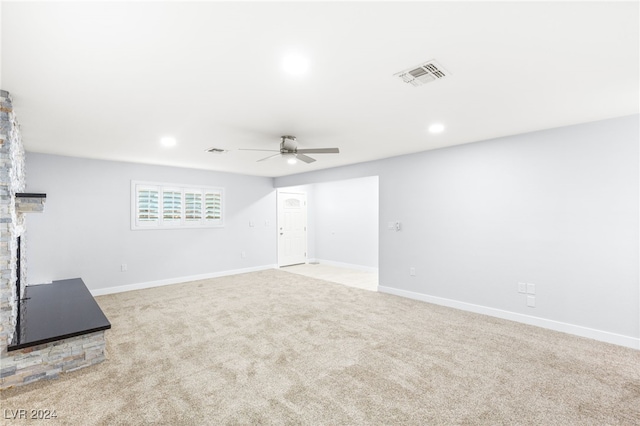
<point>288,144</point>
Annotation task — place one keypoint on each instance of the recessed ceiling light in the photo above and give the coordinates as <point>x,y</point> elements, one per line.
<point>295,64</point>
<point>168,141</point>
<point>436,128</point>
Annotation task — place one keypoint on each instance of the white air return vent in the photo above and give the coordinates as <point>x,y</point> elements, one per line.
<point>216,150</point>
<point>423,73</point>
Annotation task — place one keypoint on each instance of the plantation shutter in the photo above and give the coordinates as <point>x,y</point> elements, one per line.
<point>192,205</point>
<point>212,206</point>
<point>171,205</point>
<point>147,206</point>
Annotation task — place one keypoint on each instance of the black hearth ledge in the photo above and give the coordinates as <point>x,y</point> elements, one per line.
<point>57,311</point>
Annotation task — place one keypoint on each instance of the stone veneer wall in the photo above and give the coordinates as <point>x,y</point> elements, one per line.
<point>29,205</point>
<point>12,180</point>
<point>47,361</point>
<point>43,361</point>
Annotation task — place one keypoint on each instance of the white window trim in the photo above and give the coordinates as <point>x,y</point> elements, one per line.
<point>161,187</point>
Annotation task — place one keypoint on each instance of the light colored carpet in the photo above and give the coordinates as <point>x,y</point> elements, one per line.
<point>352,278</point>
<point>273,347</point>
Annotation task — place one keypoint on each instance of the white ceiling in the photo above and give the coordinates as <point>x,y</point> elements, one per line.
<point>108,80</point>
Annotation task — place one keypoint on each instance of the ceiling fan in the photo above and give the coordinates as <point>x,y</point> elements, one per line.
<point>289,149</point>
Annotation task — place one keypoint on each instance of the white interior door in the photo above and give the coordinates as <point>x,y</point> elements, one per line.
<point>292,228</point>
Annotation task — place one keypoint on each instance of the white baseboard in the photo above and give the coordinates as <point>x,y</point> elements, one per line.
<point>603,336</point>
<point>344,265</point>
<point>159,283</point>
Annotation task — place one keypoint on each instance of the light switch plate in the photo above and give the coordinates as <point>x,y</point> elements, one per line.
<point>531,301</point>
<point>531,288</point>
<point>522,287</point>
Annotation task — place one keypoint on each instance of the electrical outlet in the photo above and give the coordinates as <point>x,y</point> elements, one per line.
<point>531,301</point>
<point>123,267</point>
<point>522,287</point>
<point>412,272</point>
<point>531,288</point>
<point>251,224</point>
<point>243,254</point>
<point>398,226</point>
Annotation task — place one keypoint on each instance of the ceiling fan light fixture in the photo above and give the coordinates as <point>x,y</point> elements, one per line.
<point>289,150</point>
<point>291,158</point>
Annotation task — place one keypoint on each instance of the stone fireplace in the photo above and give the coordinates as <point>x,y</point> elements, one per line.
<point>35,356</point>
<point>12,181</point>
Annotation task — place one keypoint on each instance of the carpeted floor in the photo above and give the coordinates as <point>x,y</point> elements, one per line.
<point>273,347</point>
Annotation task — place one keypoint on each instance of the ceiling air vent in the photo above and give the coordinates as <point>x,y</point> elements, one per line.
<point>216,150</point>
<point>423,74</point>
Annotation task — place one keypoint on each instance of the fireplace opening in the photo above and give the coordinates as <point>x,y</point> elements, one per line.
<point>18,288</point>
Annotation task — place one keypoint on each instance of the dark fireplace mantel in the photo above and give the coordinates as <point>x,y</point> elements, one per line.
<point>57,311</point>
<point>30,195</point>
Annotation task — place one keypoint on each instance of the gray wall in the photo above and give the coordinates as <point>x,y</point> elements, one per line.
<point>346,224</point>
<point>558,208</point>
<point>85,229</point>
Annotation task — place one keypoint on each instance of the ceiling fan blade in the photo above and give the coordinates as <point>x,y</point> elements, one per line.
<point>269,157</point>
<point>304,158</point>
<point>266,150</point>
<point>319,151</point>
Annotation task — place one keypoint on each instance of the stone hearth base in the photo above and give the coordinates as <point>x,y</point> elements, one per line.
<point>47,361</point>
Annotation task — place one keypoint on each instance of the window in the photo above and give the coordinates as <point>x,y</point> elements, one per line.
<point>163,206</point>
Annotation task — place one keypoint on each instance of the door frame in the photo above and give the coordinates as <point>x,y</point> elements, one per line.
<point>279,193</point>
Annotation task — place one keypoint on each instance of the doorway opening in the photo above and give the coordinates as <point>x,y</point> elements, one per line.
<point>342,232</point>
